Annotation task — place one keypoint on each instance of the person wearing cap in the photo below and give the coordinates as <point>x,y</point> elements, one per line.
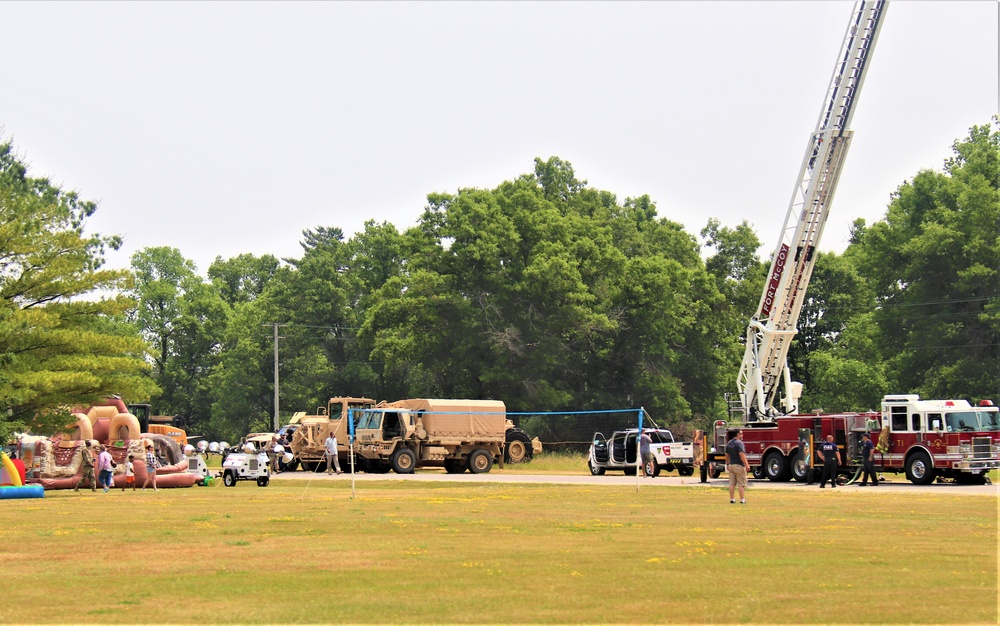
<point>645,441</point>
<point>868,460</point>
<point>829,453</point>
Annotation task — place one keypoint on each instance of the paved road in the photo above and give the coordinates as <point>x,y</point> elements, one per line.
<point>618,479</point>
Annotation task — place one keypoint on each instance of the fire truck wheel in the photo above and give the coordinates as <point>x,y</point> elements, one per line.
<point>595,471</point>
<point>799,468</point>
<point>403,461</point>
<point>758,472</point>
<point>229,479</point>
<point>776,467</point>
<point>919,470</point>
<point>480,461</point>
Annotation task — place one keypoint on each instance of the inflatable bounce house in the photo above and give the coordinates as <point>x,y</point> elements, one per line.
<point>12,476</point>
<point>54,462</point>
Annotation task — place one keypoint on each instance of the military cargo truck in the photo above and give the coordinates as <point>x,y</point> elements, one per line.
<point>455,434</point>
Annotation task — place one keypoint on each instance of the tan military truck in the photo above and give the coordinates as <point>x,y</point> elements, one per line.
<point>307,444</point>
<point>455,434</point>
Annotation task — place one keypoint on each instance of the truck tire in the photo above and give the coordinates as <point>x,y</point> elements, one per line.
<point>799,467</point>
<point>776,467</point>
<point>653,468</point>
<point>685,470</point>
<point>229,478</point>
<point>518,447</point>
<point>262,481</point>
<point>480,461</point>
<point>919,470</point>
<point>757,471</point>
<point>454,466</point>
<point>403,461</point>
<point>629,470</point>
<point>716,471</point>
<point>595,471</point>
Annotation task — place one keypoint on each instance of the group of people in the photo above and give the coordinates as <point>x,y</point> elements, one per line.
<point>105,467</point>
<point>829,453</point>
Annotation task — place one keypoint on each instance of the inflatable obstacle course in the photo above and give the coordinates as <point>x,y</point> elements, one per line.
<point>12,485</point>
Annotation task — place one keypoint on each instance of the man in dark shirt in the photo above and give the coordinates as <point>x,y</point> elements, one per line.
<point>868,460</point>
<point>736,465</point>
<point>829,453</point>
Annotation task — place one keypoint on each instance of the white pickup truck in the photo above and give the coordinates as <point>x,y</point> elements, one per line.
<point>619,453</point>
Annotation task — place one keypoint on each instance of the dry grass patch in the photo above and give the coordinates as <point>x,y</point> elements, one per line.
<point>298,552</point>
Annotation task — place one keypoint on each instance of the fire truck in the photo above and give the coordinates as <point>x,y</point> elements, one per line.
<point>923,438</point>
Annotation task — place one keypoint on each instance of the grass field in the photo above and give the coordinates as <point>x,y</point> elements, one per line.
<point>304,551</point>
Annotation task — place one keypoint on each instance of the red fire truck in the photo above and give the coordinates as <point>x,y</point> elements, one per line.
<point>925,439</point>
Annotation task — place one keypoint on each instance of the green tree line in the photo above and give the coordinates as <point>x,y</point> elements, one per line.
<point>543,292</point>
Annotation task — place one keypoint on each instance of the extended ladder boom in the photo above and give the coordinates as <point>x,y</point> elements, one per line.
<point>773,327</point>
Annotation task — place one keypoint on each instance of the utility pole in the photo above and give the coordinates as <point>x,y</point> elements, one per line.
<point>276,424</point>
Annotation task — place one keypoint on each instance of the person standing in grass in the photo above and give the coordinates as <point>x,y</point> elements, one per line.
<point>737,465</point>
<point>645,441</point>
<point>868,460</point>
<point>104,466</point>
<point>87,466</point>
<point>829,453</point>
<point>151,465</point>
<point>129,474</point>
<point>330,446</point>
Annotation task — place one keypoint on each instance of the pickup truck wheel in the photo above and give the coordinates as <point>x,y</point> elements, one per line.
<point>518,448</point>
<point>595,471</point>
<point>775,466</point>
<point>480,461</point>
<point>403,461</point>
<point>229,478</point>
<point>652,469</point>
<point>454,466</point>
<point>262,481</point>
<point>919,470</point>
<point>685,470</point>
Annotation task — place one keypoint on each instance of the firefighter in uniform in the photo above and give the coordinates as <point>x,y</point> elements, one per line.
<point>868,461</point>
<point>830,455</point>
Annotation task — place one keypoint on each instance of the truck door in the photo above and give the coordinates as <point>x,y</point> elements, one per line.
<point>600,448</point>
<point>618,448</point>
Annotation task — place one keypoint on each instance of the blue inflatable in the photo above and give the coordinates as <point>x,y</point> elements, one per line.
<point>27,491</point>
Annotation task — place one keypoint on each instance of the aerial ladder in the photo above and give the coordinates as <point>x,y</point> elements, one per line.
<point>765,361</point>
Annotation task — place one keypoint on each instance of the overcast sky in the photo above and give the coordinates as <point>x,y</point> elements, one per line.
<point>224,128</point>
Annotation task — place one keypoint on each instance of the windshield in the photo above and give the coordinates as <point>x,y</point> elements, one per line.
<point>961,421</point>
<point>989,419</point>
<point>370,419</point>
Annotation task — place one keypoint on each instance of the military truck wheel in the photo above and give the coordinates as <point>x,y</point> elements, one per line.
<point>518,448</point>
<point>403,461</point>
<point>229,478</point>
<point>595,471</point>
<point>919,470</point>
<point>262,481</point>
<point>377,467</point>
<point>454,466</point>
<point>480,461</point>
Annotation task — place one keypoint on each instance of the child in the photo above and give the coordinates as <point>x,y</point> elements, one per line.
<point>129,474</point>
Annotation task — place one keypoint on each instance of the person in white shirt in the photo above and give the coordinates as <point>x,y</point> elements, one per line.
<point>331,453</point>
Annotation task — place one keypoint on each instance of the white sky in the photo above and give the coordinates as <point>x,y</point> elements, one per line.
<point>224,128</point>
